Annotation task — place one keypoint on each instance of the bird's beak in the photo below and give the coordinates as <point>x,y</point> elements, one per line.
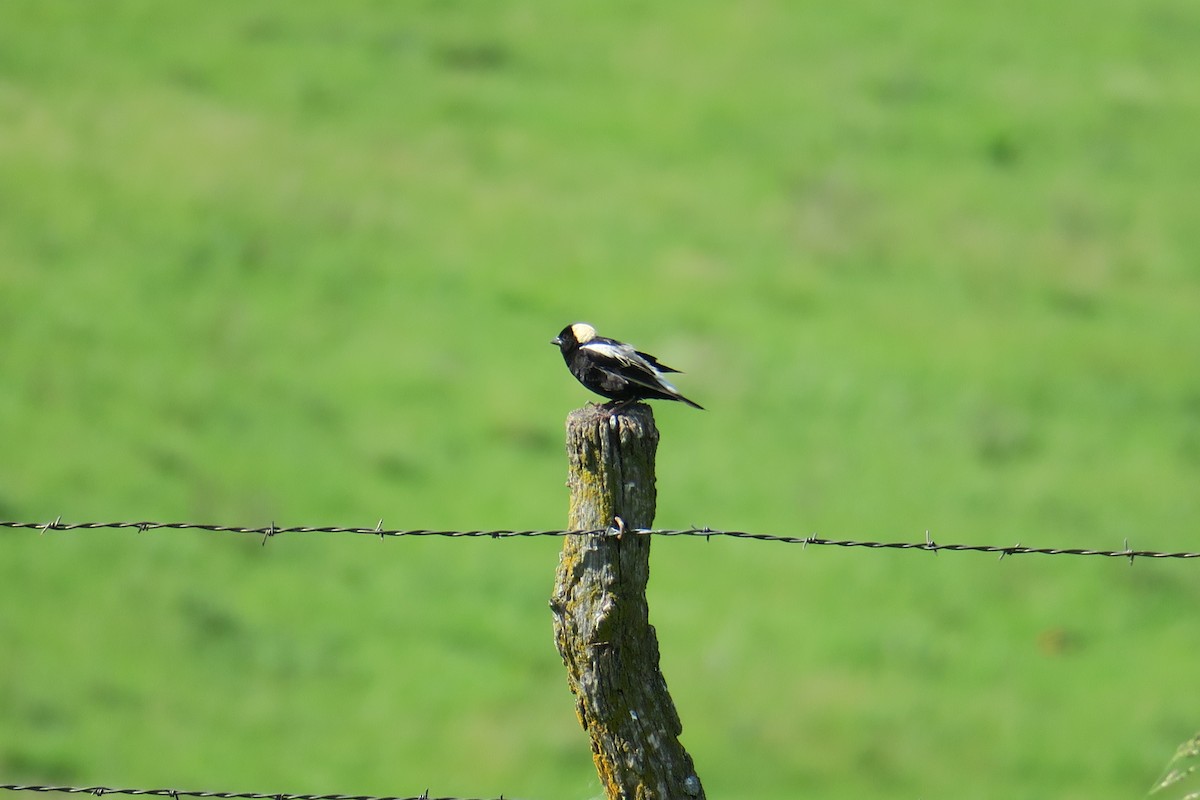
<point>556,341</point>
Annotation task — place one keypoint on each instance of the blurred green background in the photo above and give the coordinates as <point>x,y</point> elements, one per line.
<point>930,266</point>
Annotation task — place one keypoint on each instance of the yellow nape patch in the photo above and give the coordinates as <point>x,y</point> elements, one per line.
<point>583,332</point>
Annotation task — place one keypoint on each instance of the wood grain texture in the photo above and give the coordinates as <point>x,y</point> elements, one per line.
<point>601,620</point>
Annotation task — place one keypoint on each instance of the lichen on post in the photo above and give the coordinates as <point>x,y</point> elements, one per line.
<point>601,620</point>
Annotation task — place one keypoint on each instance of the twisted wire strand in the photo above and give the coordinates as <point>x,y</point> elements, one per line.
<point>617,529</point>
<point>177,793</point>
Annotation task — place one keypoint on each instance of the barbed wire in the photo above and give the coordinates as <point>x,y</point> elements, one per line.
<point>616,529</point>
<point>178,793</point>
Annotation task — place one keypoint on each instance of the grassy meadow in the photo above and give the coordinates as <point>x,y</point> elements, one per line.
<point>930,267</point>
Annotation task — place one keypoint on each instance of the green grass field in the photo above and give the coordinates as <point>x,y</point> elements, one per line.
<point>930,267</point>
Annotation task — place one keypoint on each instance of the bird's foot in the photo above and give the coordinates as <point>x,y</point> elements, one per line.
<point>614,407</point>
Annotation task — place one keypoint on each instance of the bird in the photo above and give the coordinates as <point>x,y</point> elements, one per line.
<point>614,369</point>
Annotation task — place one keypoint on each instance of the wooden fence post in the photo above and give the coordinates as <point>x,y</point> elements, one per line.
<point>601,620</point>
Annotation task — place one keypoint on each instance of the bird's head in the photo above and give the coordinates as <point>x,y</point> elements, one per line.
<point>574,335</point>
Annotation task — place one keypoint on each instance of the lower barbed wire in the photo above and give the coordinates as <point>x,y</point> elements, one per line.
<point>177,793</point>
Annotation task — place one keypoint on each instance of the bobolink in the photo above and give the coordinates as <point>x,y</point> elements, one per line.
<point>614,369</point>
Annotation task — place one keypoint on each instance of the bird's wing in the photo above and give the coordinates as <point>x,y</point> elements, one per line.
<point>621,353</point>
<point>655,362</point>
<point>629,364</point>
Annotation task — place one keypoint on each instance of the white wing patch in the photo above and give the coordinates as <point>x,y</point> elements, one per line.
<point>626,355</point>
<point>619,352</point>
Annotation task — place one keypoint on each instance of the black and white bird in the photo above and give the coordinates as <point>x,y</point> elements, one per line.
<point>614,369</point>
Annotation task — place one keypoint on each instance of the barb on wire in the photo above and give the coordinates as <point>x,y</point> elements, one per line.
<point>177,793</point>
<point>928,544</point>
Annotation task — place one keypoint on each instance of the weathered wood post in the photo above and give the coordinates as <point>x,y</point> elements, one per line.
<point>601,620</point>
